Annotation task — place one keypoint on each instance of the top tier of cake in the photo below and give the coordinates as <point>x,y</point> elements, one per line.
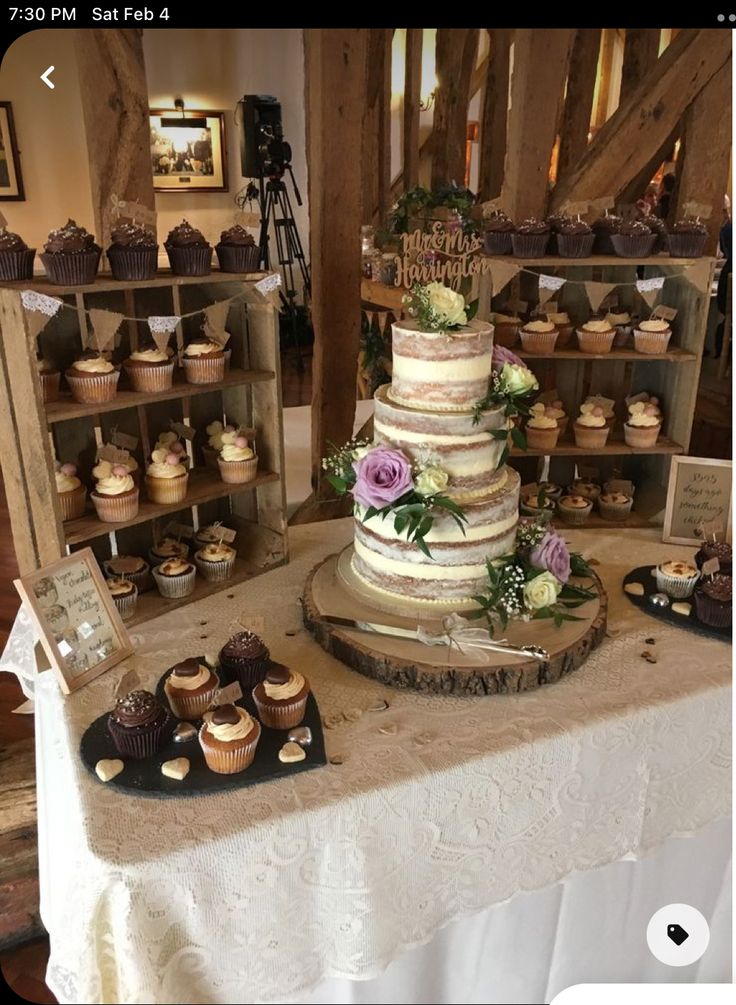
<point>441,371</point>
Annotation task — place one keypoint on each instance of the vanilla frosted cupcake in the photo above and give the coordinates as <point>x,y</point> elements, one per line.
<point>131,567</point>
<point>204,362</point>
<point>605,404</point>
<point>596,337</point>
<point>166,478</point>
<point>541,509</point>
<point>539,336</point>
<point>124,595</point>
<point>506,329</point>
<point>614,505</point>
<point>72,494</point>
<point>652,336</point>
<point>281,699</point>
<point>591,431</point>
<point>115,494</point>
<point>215,561</point>
<point>574,509</point>
<point>228,739</point>
<point>676,579</point>
<point>191,688</point>
<point>175,578</point>
<point>585,488</point>
<point>237,461</point>
<point>168,547</point>
<point>214,443</point>
<point>92,379</point>
<point>643,426</point>
<point>49,377</point>
<point>150,369</point>
<point>542,429</point>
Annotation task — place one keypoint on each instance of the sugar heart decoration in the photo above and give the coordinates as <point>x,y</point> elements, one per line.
<point>68,469</point>
<point>538,408</point>
<point>586,408</point>
<point>159,456</point>
<point>120,471</point>
<point>637,408</point>
<point>177,448</point>
<point>597,410</point>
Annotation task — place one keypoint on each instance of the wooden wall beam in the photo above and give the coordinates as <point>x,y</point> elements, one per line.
<point>457,49</point>
<point>647,118</point>
<point>376,134</point>
<point>576,117</point>
<point>412,96</point>
<point>112,78</point>
<point>494,115</point>
<point>705,152</point>
<point>641,51</point>
<point>541,60</point>
<point>335,72</point>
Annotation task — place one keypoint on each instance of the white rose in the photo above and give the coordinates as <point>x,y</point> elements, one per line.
<point>362,451</point>
<point>449,305</point>
<point>518,379</point>
<point>431,480</point>
<point>542,591</point>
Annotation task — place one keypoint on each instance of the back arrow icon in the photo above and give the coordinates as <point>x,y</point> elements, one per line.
<point>45,77</point>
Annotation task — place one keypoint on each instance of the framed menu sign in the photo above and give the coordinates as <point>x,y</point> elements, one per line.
<point>79,626</point>
<point>698,498</point>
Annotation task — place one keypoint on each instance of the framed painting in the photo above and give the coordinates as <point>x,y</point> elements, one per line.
<point>11,179</point>
<point>188,152</point>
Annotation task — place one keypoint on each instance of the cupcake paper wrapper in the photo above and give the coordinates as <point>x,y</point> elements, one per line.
<point>538,342</point>
<point>194,707</point>
<point>575,245</point>
<point>116,509</point>
<point>713,612</point>
<point>15,265</point>
<point>232,760</point>
<point>167,491</point>
<point>141,579</point>
<point>564,336</point>
<point>614,511</point>
<point>542,439</point>
<point>204,369</point>
<point>151,378</point>
<point>72,270</point>
<point>590,437</point>
<point>285,715</point>
<point>575,517</point>
<point>193,261</point>
<point>126,605</point>
<point>73,503</point>
<point>497,243</point>
<point>243,258</point>
<point>238,472</point>
<point>215,572</point>
<point>133,264</point>
<point>621,338</point>
<point>175,587</point>
<point>686,245</point>
<point>92,389</point>
<point>603,245</point>
<point>248,674</point>
<point>675,586</point>
<point>529,245</point>
<point>595,342</point>
<point>626,246</point>
<point>641,436</point>
<point>50,386</point>
<point>651,342</point>
<point>506,335</point>
<point>137,745</point>
<point>563,423</point>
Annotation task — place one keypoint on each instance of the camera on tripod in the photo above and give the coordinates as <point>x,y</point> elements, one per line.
<point>264,153</point>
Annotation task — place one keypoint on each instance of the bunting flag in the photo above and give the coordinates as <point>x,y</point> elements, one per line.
<point>215,318</point>
<point>597,293</point>
<point>501,273</point>
<point>161,328</point>
<point>39,309</point>
<point>698,274</point>
<point>650,289</point>
<point>382,319</point>
<point>548,286</point>
<point>104,326</point>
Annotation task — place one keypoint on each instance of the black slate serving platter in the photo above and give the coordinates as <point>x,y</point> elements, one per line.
<point>644,576</point>
<point>144,777</point>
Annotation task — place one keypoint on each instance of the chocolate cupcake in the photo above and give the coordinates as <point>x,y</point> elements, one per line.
<point>497,231</point>
<point>133,254</point>
<point>658,227</point>
<point>246,658</point>
<point>188,251</point>
<point>687,238</point>
<point>574,239</point>
<point>603,230</point>
<point>70,256</point>
<point>714,601</point>
<point>530,238</point>
<point>137,724</point>
<point>16,258</point>
<point>191,688</point>
<point>715,549</point>
<point>633,240</point>
<point>281,698</point>
<point>555,221</point>
<point>237,251</point>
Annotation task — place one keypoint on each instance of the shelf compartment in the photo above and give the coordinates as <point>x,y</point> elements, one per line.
<point>673,355</point>
<point>104,283</point>
<point>615,446</point>
<point>203,487</point>
<point>557,262</point>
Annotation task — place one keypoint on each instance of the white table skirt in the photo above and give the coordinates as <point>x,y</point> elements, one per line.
<point>442,808</point>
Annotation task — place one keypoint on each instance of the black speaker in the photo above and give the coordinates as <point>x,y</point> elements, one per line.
<point>261,134</point>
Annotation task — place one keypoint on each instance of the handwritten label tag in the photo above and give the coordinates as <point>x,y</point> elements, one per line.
<point>123,440</point>
<point>575,208</point>
<point>620,485</point>
<point>590,473</point>
<point>182,429</point>
<point>633,398</point>
<point>628,211</point>
<point>227,534</point>
<point>710,529</point>
<point>127,683</point>
<point>547,397</point>
<point>174,529</point>
<point>230,694</point>
<point>607,404</point>
<point>243,219</point>
<point>529,490</point>
<point>710,567</point>
<point>115,455</point>
<point>602,204</point>
<point>666,313</point>
<point>252,623</point>
<point>269,283</point>
<point>703,209</point>
<point>3,221</point>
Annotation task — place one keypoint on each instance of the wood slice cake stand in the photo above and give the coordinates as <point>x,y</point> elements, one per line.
<point>332,590</point>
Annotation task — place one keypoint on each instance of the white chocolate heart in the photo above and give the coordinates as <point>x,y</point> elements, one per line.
<point>291,752</point>
<point>178,768</point>
<point>107,769</point>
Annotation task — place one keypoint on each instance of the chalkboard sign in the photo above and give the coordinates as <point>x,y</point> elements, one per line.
<point>79,626</point>
<point>698,500</point>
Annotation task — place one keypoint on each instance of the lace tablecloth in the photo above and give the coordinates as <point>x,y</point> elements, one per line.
<point>442,806</point>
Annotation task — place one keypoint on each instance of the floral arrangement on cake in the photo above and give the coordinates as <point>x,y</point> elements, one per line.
<point>511,386</point>
<point>383,482</point>
<point>534,582</point>
<point>419,206</point>
<point>437,308</point>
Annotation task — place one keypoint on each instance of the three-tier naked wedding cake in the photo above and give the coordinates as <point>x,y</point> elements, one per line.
<point>428,412</point>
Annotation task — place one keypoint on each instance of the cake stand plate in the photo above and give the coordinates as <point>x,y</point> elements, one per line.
<point>331,592</point>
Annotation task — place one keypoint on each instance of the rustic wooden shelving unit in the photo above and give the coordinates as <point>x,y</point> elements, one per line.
<point>33,432</point>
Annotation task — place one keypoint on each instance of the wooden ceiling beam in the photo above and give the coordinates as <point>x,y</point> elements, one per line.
<point>411,110</point>
<point>494,117</point>
<point>575,125</point>
<point>641,51</point>
<point>457,49</point>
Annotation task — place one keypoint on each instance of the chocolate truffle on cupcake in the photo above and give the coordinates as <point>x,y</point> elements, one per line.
<point>677,579</point>
<point>150,369</point>
<point>215,561</point>
<point>92,378</point>
<point>715,549</point>
<point>530,239</point>
<point>687,238</point>
<point>166,478</point>
<point>497,231</point>
<point>124,595</point>
<point>633,240</point>
<point>188,251</point>
<point>49,377</point>
<point>131,567</point>
<point>168,547</point>
<point>652,336</point>
<point>228,739</point>
<point>204,361</point>
<point>16,258</point>
<point>603,229</point>
<point>237,461</point>
<point>574,239</point>
<point>246,658</point>
<point>115,495</point>
<point>714,601</point>
<point>191,688</point>
<point>175,578</point>
<point>70,256</point>
<point>281,697</point>
<point>137,724</point>
<point>71,493</point>
<point>574,510</point>
<point>133,254</point>
<point>237,250</point>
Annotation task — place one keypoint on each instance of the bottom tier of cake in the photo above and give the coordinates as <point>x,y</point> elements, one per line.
<point>387,561</point>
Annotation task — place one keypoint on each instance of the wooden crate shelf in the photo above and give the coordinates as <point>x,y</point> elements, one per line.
<point>104,283</point>
<point>616,446</point>
<point>673,355</point>
<point>594,261</point>
<point>66,408</point>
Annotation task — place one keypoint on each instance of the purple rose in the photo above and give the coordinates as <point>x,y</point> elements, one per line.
<point>381,477</point>
<point>501,356</point>
<point>551,554</point>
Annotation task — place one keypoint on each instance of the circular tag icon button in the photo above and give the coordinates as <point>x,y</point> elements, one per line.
<point>677,935</point>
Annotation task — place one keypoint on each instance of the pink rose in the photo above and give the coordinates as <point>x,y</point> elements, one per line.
<point>381,477</point>
<point>501,356</point>
<point>551,554</point>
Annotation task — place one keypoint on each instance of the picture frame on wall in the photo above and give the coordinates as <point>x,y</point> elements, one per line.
<point>188,152</point>
<point>11,178</point>
<point>698,500</point>
<point>79,627</point>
